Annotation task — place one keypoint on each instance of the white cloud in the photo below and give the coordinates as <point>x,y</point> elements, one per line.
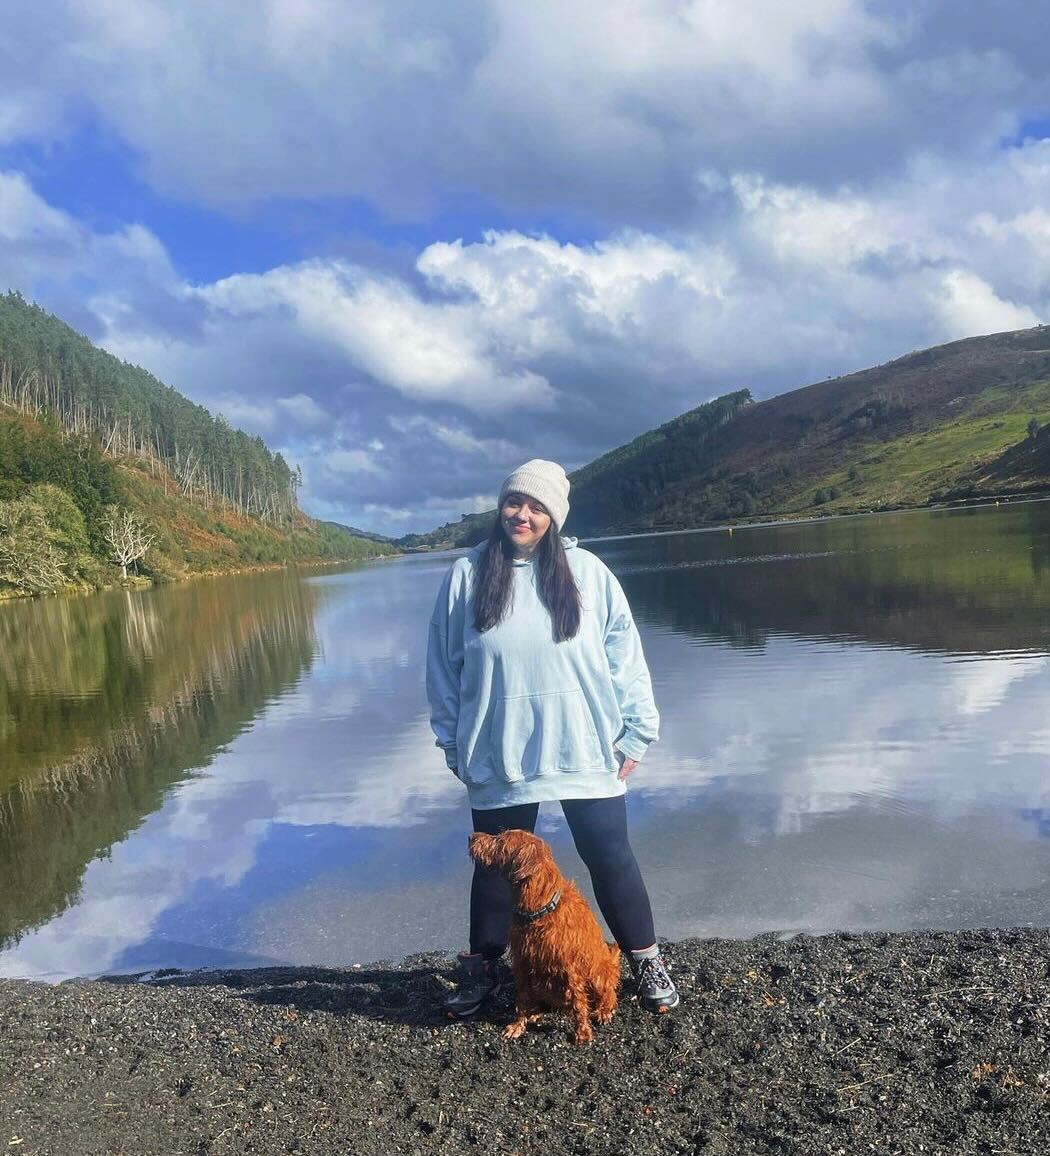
<point>350,461</point>
<point>52,241</point>
<point>430,510</point>
<point>612,109</point>
<point>27,219</point>
<point>455,437</point>
<point>970,305</point>
<point>241,414</point>
<point>800,226</point>
<point>428,351</point>
<point>303,410</point>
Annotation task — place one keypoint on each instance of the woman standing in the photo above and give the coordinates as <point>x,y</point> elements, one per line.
<point>539,691</point>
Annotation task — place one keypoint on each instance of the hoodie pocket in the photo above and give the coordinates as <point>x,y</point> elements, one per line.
<point>539,733</point>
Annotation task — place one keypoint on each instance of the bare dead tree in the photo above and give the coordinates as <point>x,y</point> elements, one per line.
<point>127,535</point>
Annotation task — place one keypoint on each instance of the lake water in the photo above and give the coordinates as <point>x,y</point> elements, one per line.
<point>856,734</point>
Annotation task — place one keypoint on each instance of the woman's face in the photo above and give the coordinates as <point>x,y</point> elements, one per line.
<point>525,521</point>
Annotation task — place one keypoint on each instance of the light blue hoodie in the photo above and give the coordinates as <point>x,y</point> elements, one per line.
<point>523,719</point>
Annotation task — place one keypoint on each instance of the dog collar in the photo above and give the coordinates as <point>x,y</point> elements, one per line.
<point>532,916</point>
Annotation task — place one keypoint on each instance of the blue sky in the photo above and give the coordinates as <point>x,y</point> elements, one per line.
<point>413,244</point>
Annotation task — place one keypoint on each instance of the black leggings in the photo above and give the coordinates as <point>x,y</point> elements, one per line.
<point>599,830</point>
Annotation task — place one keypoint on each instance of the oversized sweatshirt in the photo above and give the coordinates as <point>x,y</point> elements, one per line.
<point>524,719</point>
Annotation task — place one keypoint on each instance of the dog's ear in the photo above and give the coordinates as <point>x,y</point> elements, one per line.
<point>524,862</point>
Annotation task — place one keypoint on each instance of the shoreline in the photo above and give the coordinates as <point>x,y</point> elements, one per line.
<point>846,1043</point>
<point>769,521</point>
<point>143,582</point>
<point>761,522</point>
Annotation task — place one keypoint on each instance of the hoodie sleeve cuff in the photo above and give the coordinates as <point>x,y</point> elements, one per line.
<point>451,758</point>
<point>632,746</point>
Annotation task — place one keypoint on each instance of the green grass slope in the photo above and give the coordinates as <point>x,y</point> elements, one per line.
<point>192,538</point>
<point>936,425</point>
<point>54,489</point>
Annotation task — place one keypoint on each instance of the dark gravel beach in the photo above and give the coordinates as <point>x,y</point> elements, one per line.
<point>919,1043</point>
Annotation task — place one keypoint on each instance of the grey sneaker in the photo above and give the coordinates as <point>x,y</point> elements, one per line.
<point>656,990</point>
<point>479,979</point>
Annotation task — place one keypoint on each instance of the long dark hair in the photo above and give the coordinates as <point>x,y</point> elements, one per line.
<point>494,582</point>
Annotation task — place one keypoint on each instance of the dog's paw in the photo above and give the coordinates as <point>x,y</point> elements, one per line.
<point>514,1030</point>
<point>604,1017</point>
<point>584,1035</point>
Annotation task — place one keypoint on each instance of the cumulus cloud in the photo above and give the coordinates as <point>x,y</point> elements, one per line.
<point>427,351</point>
<point>610,109</point>
<point>38,240</point>
<point>303,410</point>
<point>254,419</point>
<point>455,437</point>
<point>969,305</point>
<point>350,461</point>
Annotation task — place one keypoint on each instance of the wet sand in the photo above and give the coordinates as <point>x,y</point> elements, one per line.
<point>933,1043</point>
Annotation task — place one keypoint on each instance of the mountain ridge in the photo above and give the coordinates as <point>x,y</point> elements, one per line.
<point>961,420</point>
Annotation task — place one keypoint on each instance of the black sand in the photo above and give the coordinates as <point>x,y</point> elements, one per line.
<point>932,1043</point>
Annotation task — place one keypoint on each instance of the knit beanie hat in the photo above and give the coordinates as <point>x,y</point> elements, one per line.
<point>544,481</point>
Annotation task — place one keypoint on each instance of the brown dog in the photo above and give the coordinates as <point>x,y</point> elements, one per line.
<point>559,958</point>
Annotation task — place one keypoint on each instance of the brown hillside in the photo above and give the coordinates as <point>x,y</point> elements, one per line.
<point>783,447</point>
<point>917,390</point>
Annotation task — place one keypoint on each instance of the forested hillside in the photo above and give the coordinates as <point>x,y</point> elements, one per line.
<point>86,440</point>
<point>48,368</point>
<point>958,421</point>
<point>631,477</point>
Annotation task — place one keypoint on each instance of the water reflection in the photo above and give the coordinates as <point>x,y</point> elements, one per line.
<point>969,581</point>
<point>109,702</point>
<point>855,734</point>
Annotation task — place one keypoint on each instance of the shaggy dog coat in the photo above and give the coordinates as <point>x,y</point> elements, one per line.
<point>560,961</point>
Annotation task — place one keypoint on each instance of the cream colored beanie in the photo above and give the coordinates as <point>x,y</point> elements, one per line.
<point>544,481</point>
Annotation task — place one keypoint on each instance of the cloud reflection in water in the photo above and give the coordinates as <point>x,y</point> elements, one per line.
<point>808,777</point>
